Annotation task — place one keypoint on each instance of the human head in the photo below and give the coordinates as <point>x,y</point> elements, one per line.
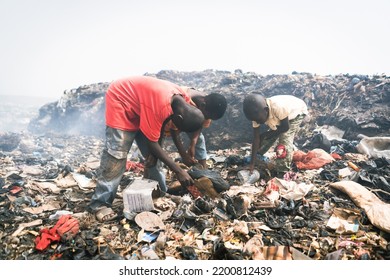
<point>186,117</point>
<point>214,106</point>
<point>255,108</point>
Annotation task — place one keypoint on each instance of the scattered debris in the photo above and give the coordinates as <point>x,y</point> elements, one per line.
<point>302,216</point>
<point>334,203</point>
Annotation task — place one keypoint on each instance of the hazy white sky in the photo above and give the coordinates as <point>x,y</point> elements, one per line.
<point>48,46</point>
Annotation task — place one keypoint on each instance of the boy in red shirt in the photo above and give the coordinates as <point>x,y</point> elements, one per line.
<point>136,109</point>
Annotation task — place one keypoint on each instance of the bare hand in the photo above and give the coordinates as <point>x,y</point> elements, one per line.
<point>188,160</point>
<point>184,179</point>
<point>191,151</point>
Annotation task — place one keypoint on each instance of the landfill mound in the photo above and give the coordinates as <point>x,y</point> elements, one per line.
<point>333,205</point>
<point>356,104</point>
<point>78,112</point>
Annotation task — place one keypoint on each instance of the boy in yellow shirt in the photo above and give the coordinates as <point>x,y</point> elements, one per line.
<point>283,115</point>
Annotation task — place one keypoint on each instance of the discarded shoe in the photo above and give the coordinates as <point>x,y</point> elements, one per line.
<point>105,214</point>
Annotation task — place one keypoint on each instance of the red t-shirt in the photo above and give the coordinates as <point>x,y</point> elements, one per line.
<point>141,103</point>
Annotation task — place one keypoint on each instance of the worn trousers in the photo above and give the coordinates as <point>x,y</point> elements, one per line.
<point>286,139</point>
<point>113,165</point>
<point>200,146</point>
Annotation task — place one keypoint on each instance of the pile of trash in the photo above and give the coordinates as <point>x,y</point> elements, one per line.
<point>356,104</point>
<point>334,204</point>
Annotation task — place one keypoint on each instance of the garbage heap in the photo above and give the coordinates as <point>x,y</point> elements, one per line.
<point>330,206</point>
<point>356,104</point>
<point>334,203</point>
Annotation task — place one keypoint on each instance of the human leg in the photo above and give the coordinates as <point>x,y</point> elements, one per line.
<point>266,144</point>
<point>287,139</point>
<point>200,149</point>
<point>156,172</point>
<point>112,167</point>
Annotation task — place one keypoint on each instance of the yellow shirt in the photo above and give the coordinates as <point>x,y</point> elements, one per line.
<point>281,107</point>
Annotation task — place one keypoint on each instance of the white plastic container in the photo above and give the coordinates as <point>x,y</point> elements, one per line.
<point>247,178</point>
<point>137,197</point>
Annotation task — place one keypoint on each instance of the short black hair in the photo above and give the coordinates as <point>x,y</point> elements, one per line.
<point>190,120</point>
<point>252,104</point>
<point>215,105</point>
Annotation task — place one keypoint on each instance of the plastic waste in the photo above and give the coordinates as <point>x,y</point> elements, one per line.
<point>280,151</point>
<point>59,213</point>
<point>137,197</point>
<point>148,253</point>
<point>263,158</point>
<point>188,253</point>
<point>25,200</point>
<point>327,207</point>
<point>219,183</point>
<point>247,178</point>
<point>375,147</point>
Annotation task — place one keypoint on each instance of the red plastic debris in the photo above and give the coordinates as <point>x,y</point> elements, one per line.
<point>194,191</point>
<point>134,166</point>
<point>336,156</point>
<point>66,228</point>
<point>15,190</point>
<point>281,151</point>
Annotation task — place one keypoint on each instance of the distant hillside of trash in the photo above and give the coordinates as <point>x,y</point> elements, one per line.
<point>356,104</point>
<point>16,111</point>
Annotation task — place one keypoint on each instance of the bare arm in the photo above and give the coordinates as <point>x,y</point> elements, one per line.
<point>194,139</point>
<point>187,159</point>
<point>255,147</point>
<point>151,159</point>
<point>183,177</point>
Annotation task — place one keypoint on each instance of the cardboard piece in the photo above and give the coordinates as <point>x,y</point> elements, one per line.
<point>137,197</point>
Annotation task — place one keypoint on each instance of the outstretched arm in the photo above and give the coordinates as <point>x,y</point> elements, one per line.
<point>255,147</point>
<point>194,140</point>
<point>183,177</point>
<point>187,159</point>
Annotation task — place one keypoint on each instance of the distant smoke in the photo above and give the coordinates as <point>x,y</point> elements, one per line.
<point>16,112</point>
<point>79,111</point>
